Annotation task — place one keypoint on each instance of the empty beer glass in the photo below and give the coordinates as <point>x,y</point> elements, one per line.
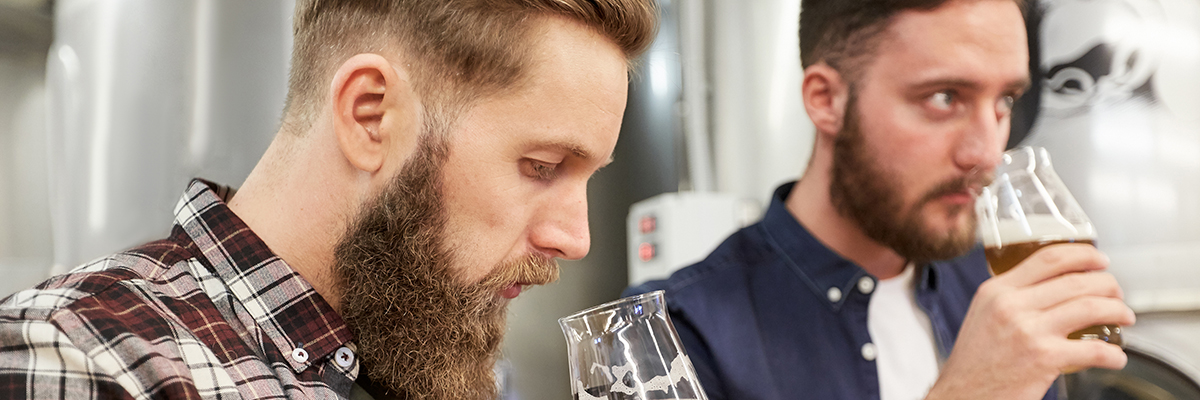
<point>1026,208</point>
<point>628,349</point>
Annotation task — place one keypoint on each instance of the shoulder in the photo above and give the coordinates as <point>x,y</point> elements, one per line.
<point>106,279</point>
<point>112,298</point>
<point>83,326</point>
<point>39,361</point>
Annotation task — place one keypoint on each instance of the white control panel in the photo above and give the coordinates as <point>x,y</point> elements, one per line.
<point>673,230</point>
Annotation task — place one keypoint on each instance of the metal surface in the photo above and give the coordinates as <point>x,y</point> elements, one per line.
<point>25,26</point>
<point>144,96</point>
<point>25,248</point>
<point>761,133</point>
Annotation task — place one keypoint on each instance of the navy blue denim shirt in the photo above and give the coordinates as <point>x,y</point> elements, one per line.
<point>759,322</point>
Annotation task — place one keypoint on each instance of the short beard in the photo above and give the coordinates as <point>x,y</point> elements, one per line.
<point>421,332</point>
<point>868,195</point>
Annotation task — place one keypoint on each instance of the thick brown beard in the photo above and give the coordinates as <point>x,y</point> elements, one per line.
<point>867,194</point>
<point>420,332</point>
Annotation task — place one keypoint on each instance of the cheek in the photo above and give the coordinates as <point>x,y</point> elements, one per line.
<point>487,211</point>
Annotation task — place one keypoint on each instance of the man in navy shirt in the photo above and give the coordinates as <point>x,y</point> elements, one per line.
<point>838,293</point>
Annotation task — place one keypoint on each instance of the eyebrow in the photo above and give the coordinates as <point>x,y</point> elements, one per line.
<point>1014,86</point>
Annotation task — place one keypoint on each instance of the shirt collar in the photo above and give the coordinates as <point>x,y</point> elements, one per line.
<point>819,267</point>
<point>291,313</point>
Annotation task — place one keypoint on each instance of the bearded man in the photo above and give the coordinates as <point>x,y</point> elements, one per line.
<point>432,162</point>
<point>862,281</point>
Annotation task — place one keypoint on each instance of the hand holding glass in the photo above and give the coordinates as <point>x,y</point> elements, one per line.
<point>1027,208</point>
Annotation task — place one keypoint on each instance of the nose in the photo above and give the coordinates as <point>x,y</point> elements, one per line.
<point>562,230</point>
<point>983,140</point>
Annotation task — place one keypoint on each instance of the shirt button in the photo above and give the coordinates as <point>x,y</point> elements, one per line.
<point>869,352</point>
<point>344,357</point>
<point>300,355</point>
<point>835,294</point>
<point>866,285</point>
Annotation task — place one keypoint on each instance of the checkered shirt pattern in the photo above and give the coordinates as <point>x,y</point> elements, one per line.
<point>207,313</point>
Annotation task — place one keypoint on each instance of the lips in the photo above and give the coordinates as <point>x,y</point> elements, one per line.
<point>962,197</point>
<point>512,291</point>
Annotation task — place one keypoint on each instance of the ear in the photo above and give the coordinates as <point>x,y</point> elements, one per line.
<point>372,108</point>
<point>825,95</point>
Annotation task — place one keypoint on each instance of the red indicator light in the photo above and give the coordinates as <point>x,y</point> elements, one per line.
<point>646,251</point>
<point>647,224</point>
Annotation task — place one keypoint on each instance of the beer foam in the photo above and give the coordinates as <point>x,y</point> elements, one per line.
<point>1033,228</point>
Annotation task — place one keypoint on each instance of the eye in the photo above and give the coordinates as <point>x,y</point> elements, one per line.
<point>1004,105</point>
<point>539,170</point>
<point>942,101</point>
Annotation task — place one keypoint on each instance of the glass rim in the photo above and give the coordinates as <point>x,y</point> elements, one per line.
<point>640,298</point>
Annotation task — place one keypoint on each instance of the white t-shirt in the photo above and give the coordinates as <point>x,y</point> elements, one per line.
<point>906,354</point>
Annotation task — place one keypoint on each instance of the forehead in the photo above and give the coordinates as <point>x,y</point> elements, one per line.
<point>976,41</point>
<point>572,96</point>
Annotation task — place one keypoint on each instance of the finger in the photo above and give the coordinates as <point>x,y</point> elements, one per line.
<point>1083,312</point>
<point>1059,289</point>
<point>1055,260</point>
<point>1082,354</point>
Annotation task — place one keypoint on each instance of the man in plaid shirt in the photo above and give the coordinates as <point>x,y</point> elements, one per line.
<point>432,162</point>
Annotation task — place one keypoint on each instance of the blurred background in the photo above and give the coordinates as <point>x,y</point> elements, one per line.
<point>109,107</point>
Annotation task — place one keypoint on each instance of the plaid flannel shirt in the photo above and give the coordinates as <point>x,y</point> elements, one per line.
<point>207,313</point>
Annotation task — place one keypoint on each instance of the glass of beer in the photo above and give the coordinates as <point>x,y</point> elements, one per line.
<point>1026,208</point>
<point>628,349</point>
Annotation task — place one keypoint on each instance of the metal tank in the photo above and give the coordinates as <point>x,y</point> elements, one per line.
<point>145,95</point>
<point>25,246</point>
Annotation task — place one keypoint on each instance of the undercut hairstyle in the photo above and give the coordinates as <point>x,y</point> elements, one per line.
<point>455,51</point>
<point>846,33</point>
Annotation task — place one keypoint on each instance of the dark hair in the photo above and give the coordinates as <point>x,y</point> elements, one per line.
<point>843,33</point>
<point>457,49</point>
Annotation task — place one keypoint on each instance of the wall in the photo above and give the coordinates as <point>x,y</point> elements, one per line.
<point>761,133</point>
<point>25,246</point>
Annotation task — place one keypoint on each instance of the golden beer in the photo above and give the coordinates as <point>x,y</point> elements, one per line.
<point>1003,258</point>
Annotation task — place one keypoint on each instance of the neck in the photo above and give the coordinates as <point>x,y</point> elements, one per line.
<point>298,204</point>
<point>810,203</point>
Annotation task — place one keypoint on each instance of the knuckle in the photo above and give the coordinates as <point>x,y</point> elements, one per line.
<point>1077,283</point>
<point>1110,284</point>
<point>1006,312</point>
<point>1096,306</point>
<point>1108,356</point>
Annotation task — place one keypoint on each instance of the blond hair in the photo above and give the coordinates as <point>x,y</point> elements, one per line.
<point>456,50</point>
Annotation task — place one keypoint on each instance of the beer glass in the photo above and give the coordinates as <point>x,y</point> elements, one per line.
<point>1026,208</point>
<point>628,349</point>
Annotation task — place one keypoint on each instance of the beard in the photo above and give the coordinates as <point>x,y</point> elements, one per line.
<point>869,195</point>
<point>421,332</point>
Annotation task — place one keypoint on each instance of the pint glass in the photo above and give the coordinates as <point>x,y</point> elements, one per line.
<point>1026,208</point>
<point>628,349</point>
